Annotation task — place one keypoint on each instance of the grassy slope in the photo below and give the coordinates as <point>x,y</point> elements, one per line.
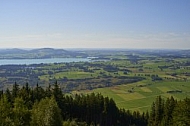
<point>142,97</point>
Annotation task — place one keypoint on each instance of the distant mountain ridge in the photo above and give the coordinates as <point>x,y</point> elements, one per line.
<point>16,53</point>
<point>12,51</point>
<point>42,53</point>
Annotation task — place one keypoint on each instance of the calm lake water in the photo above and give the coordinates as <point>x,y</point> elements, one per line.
<point>39,61</point>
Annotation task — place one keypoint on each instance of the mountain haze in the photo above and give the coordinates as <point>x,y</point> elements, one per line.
<point>36,53</point>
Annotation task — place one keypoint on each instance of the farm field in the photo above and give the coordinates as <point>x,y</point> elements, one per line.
<point>163,76</point>
<point>144,93</point>
<point>133,78</point>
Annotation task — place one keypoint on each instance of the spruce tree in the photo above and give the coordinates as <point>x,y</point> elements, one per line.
<point>151,121</point>
<point>57,93</point>
<point>15,90</point>
<point>159,110</point>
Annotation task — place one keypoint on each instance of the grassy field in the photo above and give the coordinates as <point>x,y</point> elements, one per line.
<point>140,95</point>
<point>144,93</point>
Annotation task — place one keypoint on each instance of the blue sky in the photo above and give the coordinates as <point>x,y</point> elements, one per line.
<point>137,24</point>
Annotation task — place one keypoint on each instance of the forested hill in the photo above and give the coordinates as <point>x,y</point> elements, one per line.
<point>37,53</point>
<point>98,53</point>
<point>50,107</point>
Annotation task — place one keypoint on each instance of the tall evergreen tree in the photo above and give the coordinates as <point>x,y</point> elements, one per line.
<point>15,90</point>
<point>26,94</point>
<point>48,91</point>
<point>168,110</point>
<point>9,96</point>
<point>57,93</point>
<point>38,93</point>
<point>151,121</point>
<point>159,110</point>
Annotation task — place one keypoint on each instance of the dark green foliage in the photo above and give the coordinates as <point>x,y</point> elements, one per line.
<point>15,90</point>
<point>181,114</point>
<point>57,93</point>
<point>170,112</point>
<point>157,112</point>
<point>26,106</point>
<point>1,94</point>
<point>9,96</point>
<point>38,93</point>
<point>152,115</point>
<point>48,91</point>
<point>26,94</point>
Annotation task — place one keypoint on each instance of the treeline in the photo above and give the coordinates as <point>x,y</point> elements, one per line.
<point>24,106</point>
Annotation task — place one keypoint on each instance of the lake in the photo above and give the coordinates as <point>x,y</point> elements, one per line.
<point>39,61</point>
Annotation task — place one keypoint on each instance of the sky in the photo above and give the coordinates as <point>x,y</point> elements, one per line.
<point>136,24</point>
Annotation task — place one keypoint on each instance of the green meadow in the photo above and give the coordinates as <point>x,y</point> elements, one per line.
<point>162,77</point>
<point>142,97</point>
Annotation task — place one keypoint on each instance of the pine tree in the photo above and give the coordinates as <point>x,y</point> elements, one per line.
<point>9,96</point>
<point>151,121</point>
<point>48,91</point>
<point>168,110</point>
<point>57,93</point>
<point>15,90</point>
<point>38,93</point>
<point>159,110</point>
<point>26,94</point>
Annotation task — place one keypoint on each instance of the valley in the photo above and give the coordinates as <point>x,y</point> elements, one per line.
<point>133,78</point>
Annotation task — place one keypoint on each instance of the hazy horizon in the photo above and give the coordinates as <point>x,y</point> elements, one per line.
<point>104,24</point>
<point>95,49</point>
